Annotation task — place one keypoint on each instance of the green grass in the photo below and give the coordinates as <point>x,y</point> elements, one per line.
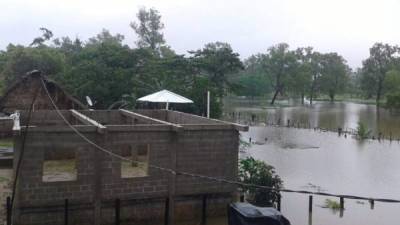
<point>8,143</point>
<point>4,179</point>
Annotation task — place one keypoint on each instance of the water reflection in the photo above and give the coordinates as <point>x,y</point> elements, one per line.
<point>323,114</point>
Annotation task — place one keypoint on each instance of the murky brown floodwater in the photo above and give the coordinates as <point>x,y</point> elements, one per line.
<point>322,114</point>
<point>323,161</point>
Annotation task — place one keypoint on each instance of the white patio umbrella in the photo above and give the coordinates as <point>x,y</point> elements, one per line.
<point>165,96</point>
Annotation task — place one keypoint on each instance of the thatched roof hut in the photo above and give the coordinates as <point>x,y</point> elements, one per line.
<point>20,94</point>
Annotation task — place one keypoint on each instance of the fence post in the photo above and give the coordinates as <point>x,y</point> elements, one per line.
<point>341,203</point>
<point>8,210</point>
<point>166,213</point>
<point>66,211</point>
<point>117,211</point>
<point>341,207</point>
<point>204,211</point>
<point>310,202</point>
<point>279,202</point>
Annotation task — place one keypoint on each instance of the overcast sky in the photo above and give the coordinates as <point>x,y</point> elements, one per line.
<point>349,27</point>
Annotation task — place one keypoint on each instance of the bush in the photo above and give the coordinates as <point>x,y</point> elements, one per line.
<point>259,173</point>
<point>362,131</point>
<point>331,204</point>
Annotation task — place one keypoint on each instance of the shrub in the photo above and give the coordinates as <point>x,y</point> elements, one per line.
<point>331,204</point>
<point>362,131</point>
<point>259,173</point>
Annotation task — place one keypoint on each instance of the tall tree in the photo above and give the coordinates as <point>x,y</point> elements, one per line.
<point>382,58</point>
<point>20,60</point>
<point>103,69</point>
<point>279,64</point>
<point>392,86</point>
<point>218,63</point>
<point>335,74</point>
<point>252,80</point>
<point>149,29</point>
<point>301,80</point>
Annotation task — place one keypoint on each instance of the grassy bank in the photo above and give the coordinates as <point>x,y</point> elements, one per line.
<point>6,143</point>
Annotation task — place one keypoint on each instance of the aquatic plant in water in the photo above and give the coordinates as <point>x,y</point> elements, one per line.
<point>331,204</point>
<point>362,131</point>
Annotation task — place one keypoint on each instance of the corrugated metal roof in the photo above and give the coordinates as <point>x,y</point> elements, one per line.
<point>165,96</point>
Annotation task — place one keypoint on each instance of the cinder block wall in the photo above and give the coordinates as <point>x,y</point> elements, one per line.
<point>6,126</point>
<point>206,152</point>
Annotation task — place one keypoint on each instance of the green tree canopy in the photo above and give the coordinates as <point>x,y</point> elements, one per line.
<point>279,65</point>
<point>335,74</point>
<point>149,29</point>
<point>383,57</point>
<point>218,63</point>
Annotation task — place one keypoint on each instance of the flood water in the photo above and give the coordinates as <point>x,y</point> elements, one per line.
<point>308,159</point>
<point>325,115</point>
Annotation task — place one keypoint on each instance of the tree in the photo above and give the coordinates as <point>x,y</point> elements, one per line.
<point>252,80</point>
<point>102,69</point>
<point>20,60</point>
<point>39,41</point>
<point>302,78</point>
<point>148,28</point>
<point>392,87</point>
<point>382,58</point>
<point>257,172</point>
<point>392,81</point>
<point>218,63</point>
<point>335,74</point>
<point>279,64</point>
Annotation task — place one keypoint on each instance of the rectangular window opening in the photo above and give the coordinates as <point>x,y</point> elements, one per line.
<point>59,166</point>
<point>139,167</point>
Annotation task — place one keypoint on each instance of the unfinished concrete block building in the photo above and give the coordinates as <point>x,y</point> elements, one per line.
<point>59,164</point>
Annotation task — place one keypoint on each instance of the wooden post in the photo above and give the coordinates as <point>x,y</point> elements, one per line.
<point>341,203</point>
<point>66,212</point>
<point>279,202</point>
<point>310,203</point>
<point>166,212</point>
<point>117,211</point>
<point>204,211</point>
<point>8,211</point>
<point>341,207</point>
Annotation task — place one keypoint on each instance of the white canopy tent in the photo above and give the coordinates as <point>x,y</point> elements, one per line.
<point>165,96</point>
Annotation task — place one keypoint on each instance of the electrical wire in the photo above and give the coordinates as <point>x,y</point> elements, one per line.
<point>220,180</point>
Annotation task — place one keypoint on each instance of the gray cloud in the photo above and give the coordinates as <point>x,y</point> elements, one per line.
<point>348,27</point>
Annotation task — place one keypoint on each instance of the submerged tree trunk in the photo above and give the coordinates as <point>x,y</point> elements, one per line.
<point>379,92</point>
<point>312,94</point>
<point>275,95</point>
<point>332,96</point>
